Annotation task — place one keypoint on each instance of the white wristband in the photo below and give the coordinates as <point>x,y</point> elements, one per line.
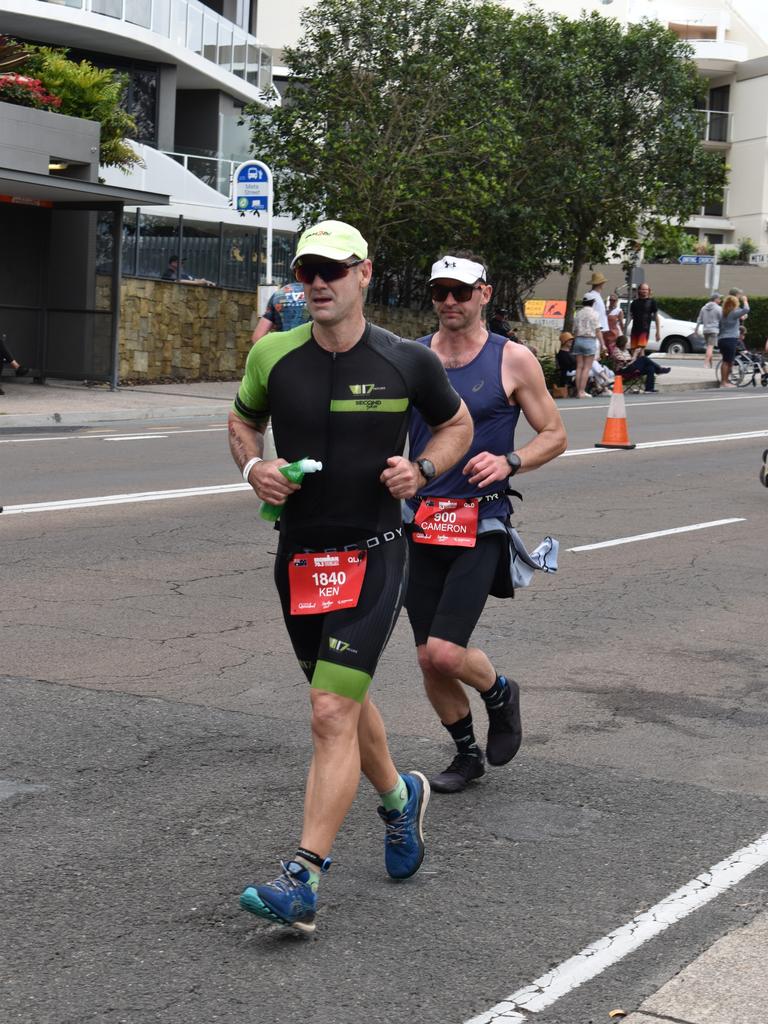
<point>249,466</point>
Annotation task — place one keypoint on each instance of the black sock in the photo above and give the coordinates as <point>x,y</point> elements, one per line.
<point>463,736</point>
<point>497,696</point>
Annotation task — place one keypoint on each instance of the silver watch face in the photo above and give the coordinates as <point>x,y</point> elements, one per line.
<point>514,462</point>
<point>426,467</point>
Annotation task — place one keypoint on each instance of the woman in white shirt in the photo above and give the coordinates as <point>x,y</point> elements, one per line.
<point>587,344</point>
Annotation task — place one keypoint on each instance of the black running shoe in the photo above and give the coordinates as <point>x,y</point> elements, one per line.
<point>463,768</point>
<point>505,730</point>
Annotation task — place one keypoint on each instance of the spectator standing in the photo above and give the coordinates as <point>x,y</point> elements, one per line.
<point>596,284</point>
<point>587,343</point>
<point>286,309</point>
<point>735,308</point>
<point>709,317</point>
<point>499,324</point>
<point>643,311</point>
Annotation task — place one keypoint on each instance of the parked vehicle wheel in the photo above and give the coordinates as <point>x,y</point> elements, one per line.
<point>676,346</point>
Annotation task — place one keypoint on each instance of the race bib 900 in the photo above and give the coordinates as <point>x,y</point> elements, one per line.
<point>325,582</point>
<point>451,522</point>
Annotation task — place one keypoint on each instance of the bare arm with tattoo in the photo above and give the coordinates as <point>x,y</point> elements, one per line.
<point>246,441</point>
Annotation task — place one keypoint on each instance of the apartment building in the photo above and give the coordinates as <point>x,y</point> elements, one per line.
<point>191,66</point>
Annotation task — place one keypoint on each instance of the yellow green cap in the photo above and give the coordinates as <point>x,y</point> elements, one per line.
<point>333,240</point>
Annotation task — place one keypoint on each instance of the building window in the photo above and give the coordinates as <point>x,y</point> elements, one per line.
<point>714,239</point>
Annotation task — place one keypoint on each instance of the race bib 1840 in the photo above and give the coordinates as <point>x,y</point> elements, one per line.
<point>451,522</point>
<point>325,582</point>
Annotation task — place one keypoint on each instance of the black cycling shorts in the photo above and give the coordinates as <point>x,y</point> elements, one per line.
<point>448,587</point>
<point>339,651</point>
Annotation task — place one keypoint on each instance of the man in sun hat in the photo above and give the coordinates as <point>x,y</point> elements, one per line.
<point>458,533</point>
<point>341,390</point>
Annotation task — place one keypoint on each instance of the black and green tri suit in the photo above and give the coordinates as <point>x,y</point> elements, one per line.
<point>351,411</point>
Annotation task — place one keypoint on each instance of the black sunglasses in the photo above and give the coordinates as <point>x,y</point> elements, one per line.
<point>460,292</point>
<point>327,270</point>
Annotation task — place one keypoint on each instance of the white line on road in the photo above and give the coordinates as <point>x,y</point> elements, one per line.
<point>652,536</point>
<point>598,956</point>
<point>105,437</point>
<point>749,435</point>
<point>121,499</point>
<point>134,437</point>
<point>647,403</point>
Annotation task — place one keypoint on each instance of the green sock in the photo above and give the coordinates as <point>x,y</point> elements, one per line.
<point>314,873</point>
<point>397,798</point>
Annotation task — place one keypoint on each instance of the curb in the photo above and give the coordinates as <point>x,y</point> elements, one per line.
<point>77,418</point>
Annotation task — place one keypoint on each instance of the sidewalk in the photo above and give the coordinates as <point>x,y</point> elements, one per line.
<point>71,403</point>
<point>725,985</point>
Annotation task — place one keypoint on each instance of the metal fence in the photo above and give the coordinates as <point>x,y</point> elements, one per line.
<point>220,253</point>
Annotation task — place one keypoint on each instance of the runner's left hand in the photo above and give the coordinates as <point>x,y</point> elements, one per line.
<point>401,477</point>
<point>484,469</point>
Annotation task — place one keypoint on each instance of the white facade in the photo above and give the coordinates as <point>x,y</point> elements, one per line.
<point>190,68</point>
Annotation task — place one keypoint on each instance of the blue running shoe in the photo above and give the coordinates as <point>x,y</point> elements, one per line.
<point>404,841</point>
<point>289,900</point>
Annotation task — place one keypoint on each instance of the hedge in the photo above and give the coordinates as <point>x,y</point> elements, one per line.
<point>688,309</point>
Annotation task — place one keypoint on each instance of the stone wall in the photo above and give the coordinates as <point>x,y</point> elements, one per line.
<point>178,331</point>
<point>183,331</point>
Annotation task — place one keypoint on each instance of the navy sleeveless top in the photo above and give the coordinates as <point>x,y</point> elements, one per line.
<point>479,384</point>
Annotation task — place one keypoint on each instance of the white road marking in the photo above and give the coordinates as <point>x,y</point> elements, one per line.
<point>749,435</point>
<point>648,402</point>
<point>605,952</point>
<point>134,437</point>
<point>121,499</point>
<point>106,437</point>
<point>652,536</point>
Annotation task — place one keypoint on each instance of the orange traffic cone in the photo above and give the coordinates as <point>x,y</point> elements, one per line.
<point>615,434</point>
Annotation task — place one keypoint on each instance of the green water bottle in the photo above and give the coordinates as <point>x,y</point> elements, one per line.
<point>295,472</point>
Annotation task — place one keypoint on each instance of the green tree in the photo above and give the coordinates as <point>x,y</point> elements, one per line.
<point>396,119</point>
<point>666,243</point>
<point>628,151</point>
<point>89,92</point>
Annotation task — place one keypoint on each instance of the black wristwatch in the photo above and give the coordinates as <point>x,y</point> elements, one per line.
<point>514,462</point>
<point>427,469</point>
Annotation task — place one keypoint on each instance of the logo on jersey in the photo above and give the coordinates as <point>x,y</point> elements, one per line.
<point>364,389</point>
<point>341,646</point>
<point>479,386</point>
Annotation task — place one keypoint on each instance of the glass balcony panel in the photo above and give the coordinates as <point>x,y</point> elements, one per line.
<point>252,64</point>
<point>179,22</point>
<point>194,29</point>
<point>210,38</point>
<point>139,12</point>
<point>225,47</point>
<point>161,17</point>
<point>109,8</point>
<point>238,55</point>
<point>265,70</point>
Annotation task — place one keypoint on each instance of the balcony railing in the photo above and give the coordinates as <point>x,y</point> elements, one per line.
<point>214,171</point>
<point>716,125</point>
<point>191,24</point>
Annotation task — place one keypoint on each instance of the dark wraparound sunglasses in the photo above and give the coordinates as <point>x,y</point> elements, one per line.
<point>327,270</point>
<point>460,292</point>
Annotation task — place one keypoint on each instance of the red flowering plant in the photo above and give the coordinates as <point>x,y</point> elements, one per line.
<point>26,92</point>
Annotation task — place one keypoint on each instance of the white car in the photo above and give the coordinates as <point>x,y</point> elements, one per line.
<point>677,336</point>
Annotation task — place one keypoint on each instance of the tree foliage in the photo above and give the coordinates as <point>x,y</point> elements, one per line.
<point>539,140</point>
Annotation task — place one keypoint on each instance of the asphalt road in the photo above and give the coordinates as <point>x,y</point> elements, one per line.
<point>153,739</point>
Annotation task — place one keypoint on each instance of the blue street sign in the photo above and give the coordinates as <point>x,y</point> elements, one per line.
<point>252,187</point>
<point>696,260</point>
